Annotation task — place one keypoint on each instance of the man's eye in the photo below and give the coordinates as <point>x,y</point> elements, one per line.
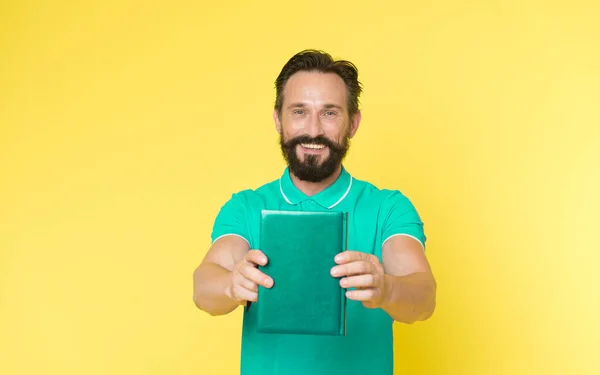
<point>298,112</point>
<point>330,113</point>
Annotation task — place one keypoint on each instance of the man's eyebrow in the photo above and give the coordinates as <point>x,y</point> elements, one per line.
<point>327,106</point>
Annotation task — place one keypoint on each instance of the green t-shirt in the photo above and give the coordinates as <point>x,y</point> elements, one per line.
<point>374,216</point>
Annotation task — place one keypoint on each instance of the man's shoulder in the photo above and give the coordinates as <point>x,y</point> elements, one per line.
<point>370,191</point>
<point>396,210</point>
<point>257,195</point>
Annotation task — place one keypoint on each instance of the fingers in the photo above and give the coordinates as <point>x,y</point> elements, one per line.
<point>363,273</point>
<point>247,277</point>
<point>254,275</point>
<point>354,268</point>
<point>256,257</point>
<point>370,294</point>
<point>245,283</point>
<point>353,256</point>
<point>360,281</point>
<point>242,294</point>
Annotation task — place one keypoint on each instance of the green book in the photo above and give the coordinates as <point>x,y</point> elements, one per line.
<point>305,298</point>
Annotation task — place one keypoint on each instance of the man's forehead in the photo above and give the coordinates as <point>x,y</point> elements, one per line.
<point>315,86</point>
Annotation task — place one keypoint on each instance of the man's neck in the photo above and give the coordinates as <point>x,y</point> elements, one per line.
<point>313,188</point>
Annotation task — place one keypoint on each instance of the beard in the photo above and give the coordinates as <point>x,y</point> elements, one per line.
<point>311,169</point>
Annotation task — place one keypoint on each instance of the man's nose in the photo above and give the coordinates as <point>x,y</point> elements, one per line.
<point>313,126</point>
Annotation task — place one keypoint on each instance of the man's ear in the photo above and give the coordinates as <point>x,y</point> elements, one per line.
<point>354,123</point>
<point>277,121</point>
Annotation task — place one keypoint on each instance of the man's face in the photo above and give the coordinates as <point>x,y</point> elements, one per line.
<point>314,126</point>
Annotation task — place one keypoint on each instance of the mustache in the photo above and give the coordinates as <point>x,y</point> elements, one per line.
<point>319,140</point>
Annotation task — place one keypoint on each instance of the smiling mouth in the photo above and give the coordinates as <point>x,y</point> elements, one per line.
<point>312,146</point>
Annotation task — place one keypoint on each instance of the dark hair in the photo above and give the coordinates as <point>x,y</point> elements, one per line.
<point>314,60</point>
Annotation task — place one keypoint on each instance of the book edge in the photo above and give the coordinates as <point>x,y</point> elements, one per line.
<point>343,300</point>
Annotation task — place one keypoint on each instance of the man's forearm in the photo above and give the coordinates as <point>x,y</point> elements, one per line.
<point>410,298</point>
<point>211,282</point>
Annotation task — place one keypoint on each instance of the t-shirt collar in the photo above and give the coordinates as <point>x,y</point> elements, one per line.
<point>328,198</point>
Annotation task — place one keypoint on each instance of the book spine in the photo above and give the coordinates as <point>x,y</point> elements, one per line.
<point>343,291</point>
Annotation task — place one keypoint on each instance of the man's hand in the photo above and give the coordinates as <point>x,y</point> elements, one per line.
<point>245,278</point>
<point>365,273</point>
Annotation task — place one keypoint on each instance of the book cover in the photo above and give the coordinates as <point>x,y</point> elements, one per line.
<point>305,298</point>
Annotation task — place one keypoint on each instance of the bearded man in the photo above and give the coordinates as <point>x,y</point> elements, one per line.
<point>316,114</point>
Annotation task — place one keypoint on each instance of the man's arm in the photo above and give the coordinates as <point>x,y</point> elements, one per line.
<point>213,277</point>
<point>409,286</point>
<point>228,276</point>
<point>402,285</point>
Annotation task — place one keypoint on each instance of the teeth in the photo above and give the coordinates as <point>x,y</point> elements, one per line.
<point>313,146</point>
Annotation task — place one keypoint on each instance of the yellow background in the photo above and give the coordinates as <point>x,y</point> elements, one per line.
<point>125,125</point>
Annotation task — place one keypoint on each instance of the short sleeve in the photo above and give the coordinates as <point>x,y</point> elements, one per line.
<point>402,218</point>
<point>231,220</point>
